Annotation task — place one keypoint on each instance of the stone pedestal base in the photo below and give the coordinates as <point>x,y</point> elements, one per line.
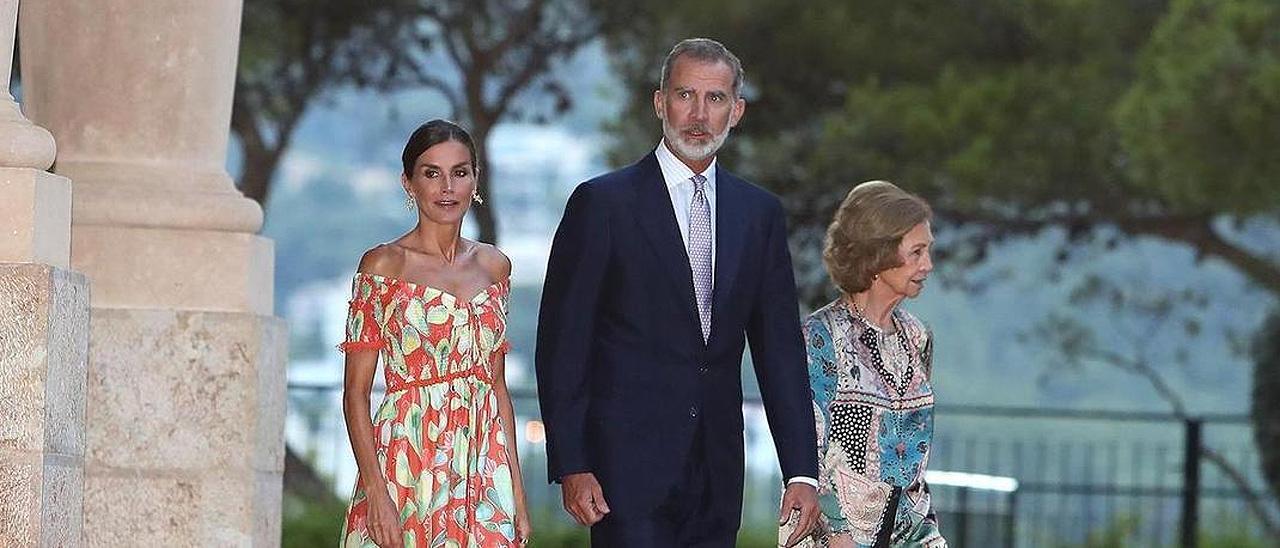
<point>35,217</point>
<point>185,442</point>
<point>154,268</point>
<point>44,339</point>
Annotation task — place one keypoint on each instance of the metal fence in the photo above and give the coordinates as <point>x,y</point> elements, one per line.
<point>1139,479</point>
<point>1083,478</point>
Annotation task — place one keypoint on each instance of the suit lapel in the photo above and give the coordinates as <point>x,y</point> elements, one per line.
<point>730,222</point>
<point>657,220</point>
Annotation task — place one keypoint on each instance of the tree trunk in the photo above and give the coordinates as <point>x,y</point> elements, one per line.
<point>1201,236</point>
<point>259,168</point>
<point>1266,398</point>
<point>486,214</point>
<point>302,480</point>
<point>261,154</point>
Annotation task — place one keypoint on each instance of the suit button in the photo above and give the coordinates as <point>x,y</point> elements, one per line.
<point>703,370</point>
<point>693,412</point>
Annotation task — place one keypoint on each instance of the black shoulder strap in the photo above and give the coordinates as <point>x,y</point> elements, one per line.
<point>885,535</point>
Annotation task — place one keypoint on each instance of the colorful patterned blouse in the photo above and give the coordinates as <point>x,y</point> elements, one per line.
<point>873,403</point>
<point>439,439</point>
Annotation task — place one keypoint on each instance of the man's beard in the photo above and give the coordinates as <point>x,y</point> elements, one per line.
<point>691,151</point>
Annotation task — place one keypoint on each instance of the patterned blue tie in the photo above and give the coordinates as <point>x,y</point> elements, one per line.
<point>700,251</point>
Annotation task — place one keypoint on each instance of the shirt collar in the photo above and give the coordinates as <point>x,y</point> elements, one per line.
<point>675,172</point>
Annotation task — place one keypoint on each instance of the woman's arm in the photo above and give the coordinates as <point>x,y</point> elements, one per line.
<point>356,387</point>
<point>363,345</point>
<point>383,523</point>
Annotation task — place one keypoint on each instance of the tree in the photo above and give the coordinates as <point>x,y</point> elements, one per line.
<point>1147,338</point>
<point>492,60</point>
<point>294,53</point>
<point>1108,119</point>
<point>502,54</point>
<point>1009,116</point>
<point>1266,382</point>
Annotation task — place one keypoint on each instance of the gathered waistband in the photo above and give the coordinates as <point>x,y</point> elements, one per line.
<point>480,372</point>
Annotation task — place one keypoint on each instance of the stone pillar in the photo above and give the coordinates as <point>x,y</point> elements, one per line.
<point>35,213</point>
<point>186,377</point>
<point>44,333</point>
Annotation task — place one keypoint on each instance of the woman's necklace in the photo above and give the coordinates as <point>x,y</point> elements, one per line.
<point>892,345</point>
<point>861,312</point>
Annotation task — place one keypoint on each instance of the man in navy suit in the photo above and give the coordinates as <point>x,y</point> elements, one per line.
<point>659,273</point>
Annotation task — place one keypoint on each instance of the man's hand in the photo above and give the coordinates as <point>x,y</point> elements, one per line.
<point>584,500</point>
<point>803,498</point>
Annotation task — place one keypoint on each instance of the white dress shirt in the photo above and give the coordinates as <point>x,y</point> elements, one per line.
<point>680,188</point>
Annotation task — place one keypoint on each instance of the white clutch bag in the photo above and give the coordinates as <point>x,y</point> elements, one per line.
<point>862,503</point>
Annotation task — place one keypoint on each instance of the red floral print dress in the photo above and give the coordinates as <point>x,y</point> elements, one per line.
<point>439,439</point>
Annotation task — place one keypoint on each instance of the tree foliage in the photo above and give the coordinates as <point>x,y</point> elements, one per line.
<point>499,58</point>
<point>492,60</point>
<point>1010,116</point>
<point>1106,118</point>
<point>1201,122</point>
<point>295,53</point>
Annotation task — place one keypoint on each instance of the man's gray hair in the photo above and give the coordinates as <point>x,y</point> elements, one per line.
<point>706,50</point>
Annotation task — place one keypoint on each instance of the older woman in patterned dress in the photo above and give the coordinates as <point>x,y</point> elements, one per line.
<point>869,366</point>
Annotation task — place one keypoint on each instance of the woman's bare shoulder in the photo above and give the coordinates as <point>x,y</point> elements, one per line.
<point>494,261</point>
<point>383,260</point>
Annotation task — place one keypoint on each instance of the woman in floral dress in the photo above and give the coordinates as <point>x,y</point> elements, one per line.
<point>870,364</point>
<point>437,461</point>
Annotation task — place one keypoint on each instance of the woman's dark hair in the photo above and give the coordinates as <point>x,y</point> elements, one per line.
<point>431,134</point>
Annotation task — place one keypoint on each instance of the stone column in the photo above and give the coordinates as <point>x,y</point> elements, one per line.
<point>186,372</point>
<point>35,213</point>
<point>44,338</point>
<point>44,333</point>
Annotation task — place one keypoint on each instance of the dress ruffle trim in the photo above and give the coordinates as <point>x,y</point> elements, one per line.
<point>355,346</point>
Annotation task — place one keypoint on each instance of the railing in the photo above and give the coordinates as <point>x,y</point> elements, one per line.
<point>1080,475</point>
<point>1141,478</point>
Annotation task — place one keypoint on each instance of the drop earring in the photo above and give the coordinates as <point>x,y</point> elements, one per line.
<point>475,197</point>
<point>409,202</point>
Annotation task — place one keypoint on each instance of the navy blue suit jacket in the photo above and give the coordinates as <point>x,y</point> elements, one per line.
<point>624,377</point>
